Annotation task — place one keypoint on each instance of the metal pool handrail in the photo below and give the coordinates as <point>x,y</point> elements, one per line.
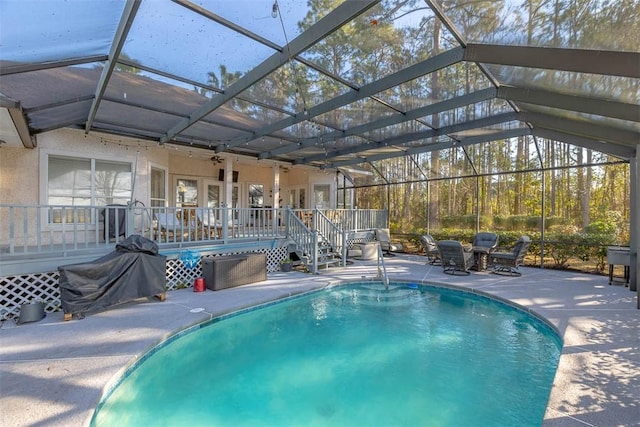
<point>382,269</point>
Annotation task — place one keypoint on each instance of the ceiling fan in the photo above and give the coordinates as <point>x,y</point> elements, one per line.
<point>217,159</point>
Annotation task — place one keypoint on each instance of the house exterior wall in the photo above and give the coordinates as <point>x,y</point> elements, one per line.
<point>23,172</point>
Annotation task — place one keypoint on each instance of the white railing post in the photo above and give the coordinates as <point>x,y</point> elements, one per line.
<point>224,223</point>
<point>315,252</point>
<point>344,247</point>
<point>354,214</point>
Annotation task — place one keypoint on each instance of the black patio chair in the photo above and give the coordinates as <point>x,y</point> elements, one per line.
<point>507,263</point>
<point>431,248</point>
<point>455,257</point>
<point>483,244</point>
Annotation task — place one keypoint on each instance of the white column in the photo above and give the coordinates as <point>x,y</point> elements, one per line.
<point>276,194</point>
<point>228,189</point>
<point>276,186</point>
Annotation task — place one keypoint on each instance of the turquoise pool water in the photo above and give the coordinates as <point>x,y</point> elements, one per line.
<point>349,355</point>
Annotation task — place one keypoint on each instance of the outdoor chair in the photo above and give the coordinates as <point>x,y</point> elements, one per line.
<point>383,236</point>
<point>484,239</point>
<point>455,257</point>
<point>508,262</point>
<point>167,223</point>
<point>483,244</point>
<point>211,227</point>
<point>431,248</point>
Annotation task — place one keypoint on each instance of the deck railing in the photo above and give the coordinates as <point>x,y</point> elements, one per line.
<point>333,234</point>
<point>58,229</point>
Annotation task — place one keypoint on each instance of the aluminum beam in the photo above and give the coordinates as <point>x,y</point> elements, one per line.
<point>21,127</point>
<point>332,21</point>
<point>612,63</point>
<point>512,133</point>
<point>583,104</point>
<point>634,226</point>
<point>425,67</point>
<point>25,68</point>
<point>128,15</point>
<point>622,151</point>
<point>582,128</point>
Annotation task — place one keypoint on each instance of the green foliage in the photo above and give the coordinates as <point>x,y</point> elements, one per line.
<point>602,228</point>
<point>562,245</point>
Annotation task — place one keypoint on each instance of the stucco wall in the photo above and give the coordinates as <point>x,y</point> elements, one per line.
<point>19,175</point>
<point>23,171</point>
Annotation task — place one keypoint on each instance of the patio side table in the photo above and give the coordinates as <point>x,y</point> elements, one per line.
<point>369,250</point>
<point>481,255</point>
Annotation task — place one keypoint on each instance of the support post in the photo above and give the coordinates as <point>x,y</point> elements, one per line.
<point>634,224</point>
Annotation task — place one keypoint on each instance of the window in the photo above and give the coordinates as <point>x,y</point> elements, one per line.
<point>321,197</point>
<point>256,195</point>
<point>302,196</point>
<point>186,192</point>
<point>158,189</point>
<point>213,196</point>
<point>345,198</point>
<point>85,182</point>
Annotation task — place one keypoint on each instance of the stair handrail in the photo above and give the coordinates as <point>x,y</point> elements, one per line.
<point>382,268</point>
<point>302,236</point>
<point>333,234</point>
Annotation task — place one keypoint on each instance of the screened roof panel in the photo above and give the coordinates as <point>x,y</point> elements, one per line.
<point>132,86</point>
<point>357,113</point>
<point>307,133</point>
<point>129,116</point>
<point>521,152</point>
<point>253,113</point>
<point>36,89</point>
<point>35,32</point>
<point>211,132</point>
<point>409,95</point>
<point>325,83</point>
<point>378,43</point>
<point>346,143</point>
<point>279,25</point>
<point>175,41</point>
<point>73,114</point>
<point>622,89</point>
<point>295,87</point>
<point>390,133</point>
<point>470,112</point>
<point>597,24</point>
<point>448,83</point>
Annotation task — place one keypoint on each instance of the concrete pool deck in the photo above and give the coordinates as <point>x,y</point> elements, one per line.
<point>54,372</point>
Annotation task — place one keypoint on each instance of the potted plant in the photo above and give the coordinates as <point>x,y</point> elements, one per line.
<point>286,265</point>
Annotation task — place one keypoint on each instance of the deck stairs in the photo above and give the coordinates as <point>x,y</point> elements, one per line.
<point>327,255</point>
<point>316,246</point>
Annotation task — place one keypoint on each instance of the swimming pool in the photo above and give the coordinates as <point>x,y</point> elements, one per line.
<point>353,354</point>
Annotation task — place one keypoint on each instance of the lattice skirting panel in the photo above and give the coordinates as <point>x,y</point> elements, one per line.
<point>360,238</point>
<point>18,290</point>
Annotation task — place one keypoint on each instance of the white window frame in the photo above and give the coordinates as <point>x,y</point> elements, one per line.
<point>44,180</point>
<point>166,182</point>
<point>199,185</point>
